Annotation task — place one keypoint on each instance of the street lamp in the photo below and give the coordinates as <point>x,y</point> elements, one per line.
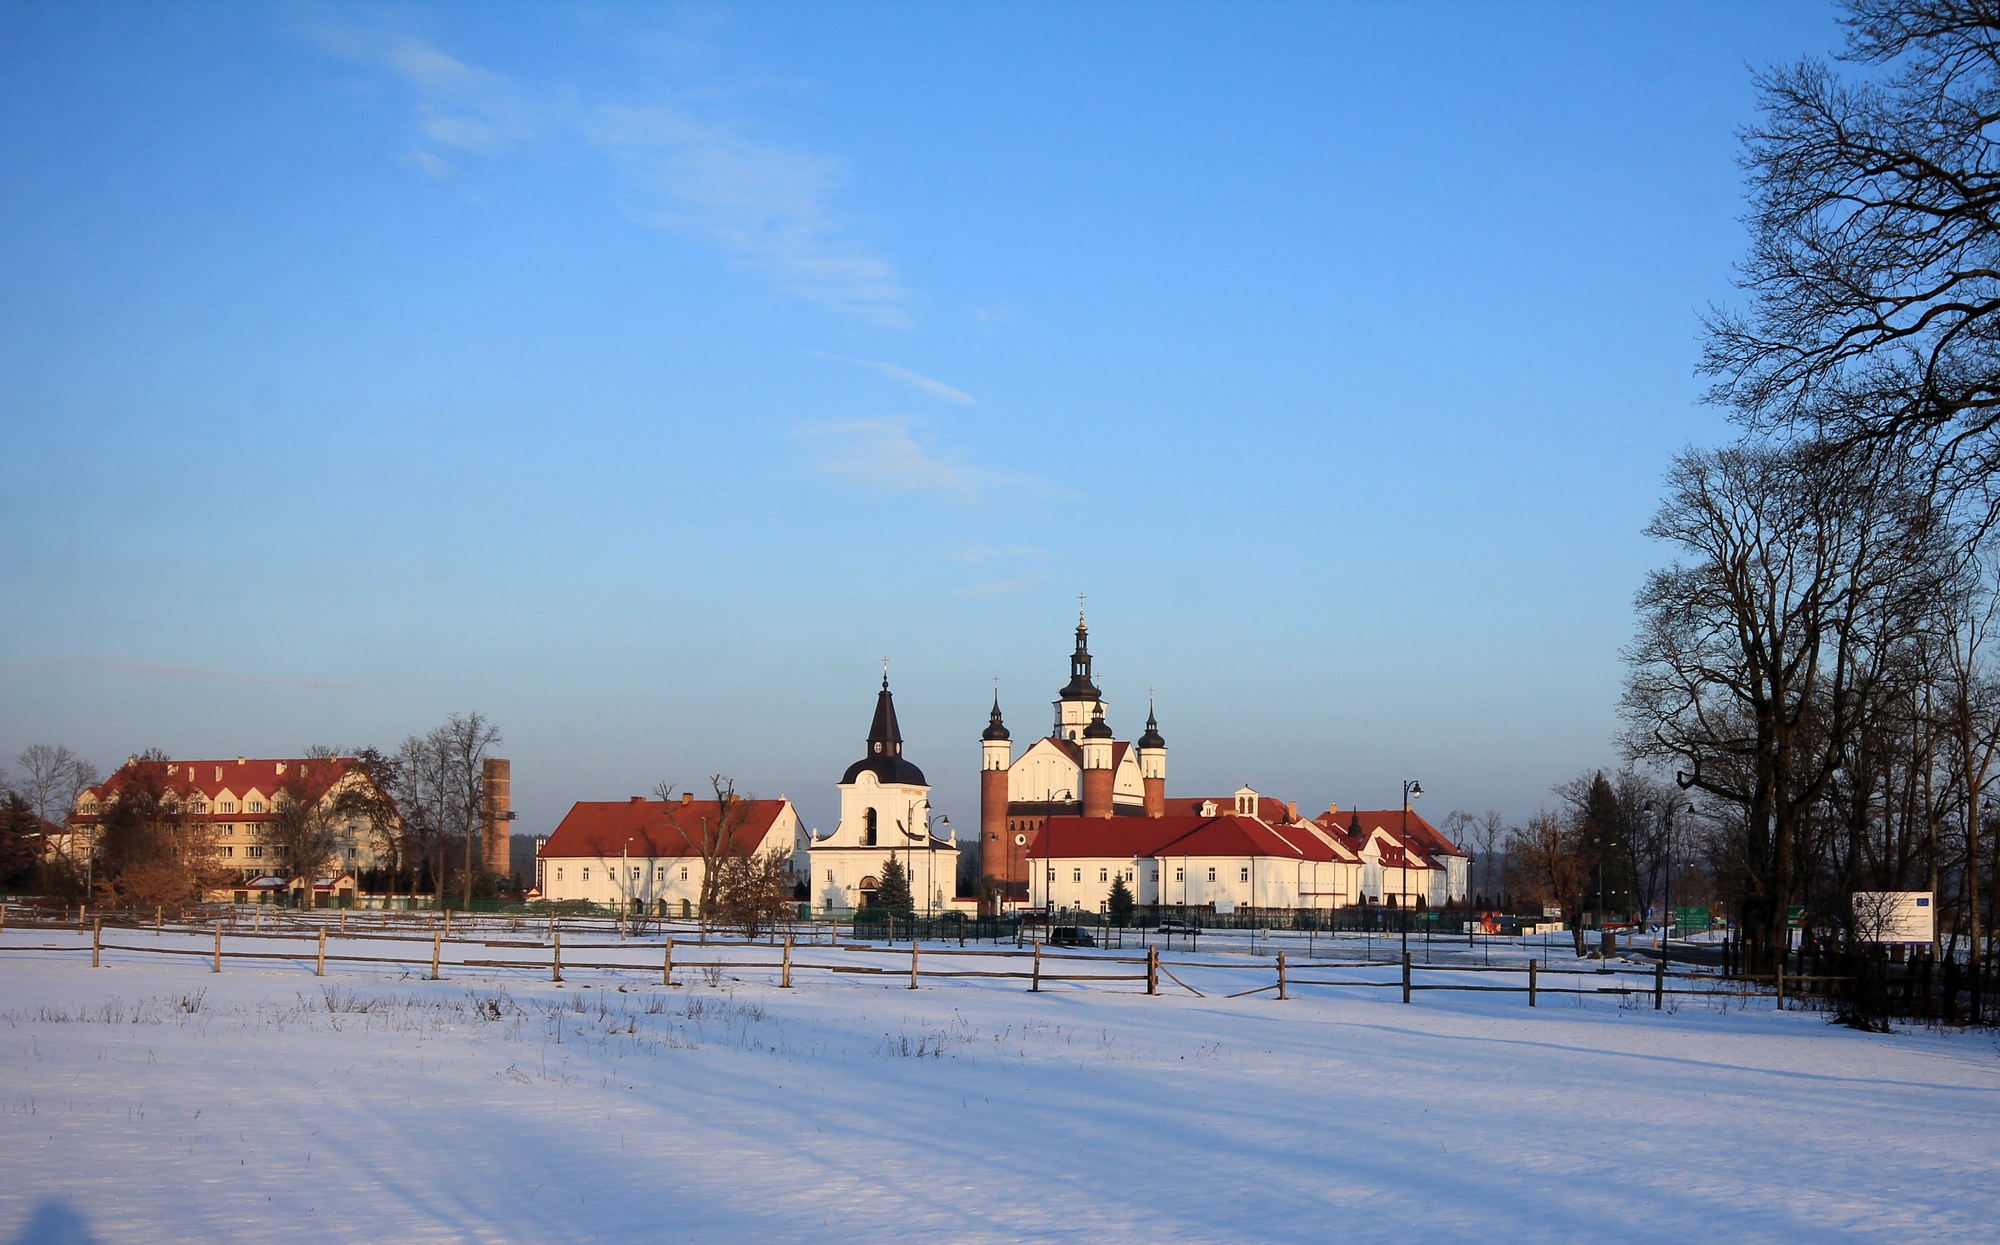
<point>1412,789</point>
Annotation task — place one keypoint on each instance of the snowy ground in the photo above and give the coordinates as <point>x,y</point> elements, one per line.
<point>151,1100</point>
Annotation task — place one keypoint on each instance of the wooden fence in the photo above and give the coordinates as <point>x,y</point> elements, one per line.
<point>437,942</point>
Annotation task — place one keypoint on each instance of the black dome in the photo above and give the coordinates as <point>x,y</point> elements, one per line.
<point>886,769</point>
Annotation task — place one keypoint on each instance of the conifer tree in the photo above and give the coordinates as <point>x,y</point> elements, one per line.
<point>1121,901</point>
<point>894,892</point>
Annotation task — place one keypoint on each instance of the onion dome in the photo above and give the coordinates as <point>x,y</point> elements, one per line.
<point>1098,728</point>
<point>1151,739</point>
<point>995,728</point>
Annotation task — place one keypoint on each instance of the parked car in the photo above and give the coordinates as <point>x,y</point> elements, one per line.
<point>1071,936</point>
<point>1177,927</point>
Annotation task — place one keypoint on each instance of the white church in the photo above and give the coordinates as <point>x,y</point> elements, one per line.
<point>885,811</point>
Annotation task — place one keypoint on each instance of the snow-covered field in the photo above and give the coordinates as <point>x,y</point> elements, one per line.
<point>151,1100</point>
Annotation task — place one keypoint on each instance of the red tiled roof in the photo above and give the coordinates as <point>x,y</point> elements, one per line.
<point>1225,834</point>
<point>602,828</point>
<point>237,776</point>
<point>1423,835</point>
<point>1273,811</point>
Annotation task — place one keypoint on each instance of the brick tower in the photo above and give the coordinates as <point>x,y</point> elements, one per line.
<point>496,803</point>
<point>1002,861</point>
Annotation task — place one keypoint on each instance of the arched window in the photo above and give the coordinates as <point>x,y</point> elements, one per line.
<point>868,828</point>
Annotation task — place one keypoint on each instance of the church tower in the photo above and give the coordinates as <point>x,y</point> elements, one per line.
<point>1002,861</point>
<point>1153,766</point>
<point>1097,749</point>
<point>1079,701</point>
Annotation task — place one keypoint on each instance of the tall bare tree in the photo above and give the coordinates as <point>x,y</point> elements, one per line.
<point>51,778</point>
<point>1874,270</point>
<point>306,814</point>
<point>713,838</point>
<point>1756,658</point>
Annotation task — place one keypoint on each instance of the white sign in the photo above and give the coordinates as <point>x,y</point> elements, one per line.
<point>1225,905</point>
<point>1895,916</point>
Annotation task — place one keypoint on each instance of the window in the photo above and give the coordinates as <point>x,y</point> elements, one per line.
<point>350,853</point>
<point>255,806</point>
<point>868,828</point>
<point>662,874</point>
<point>829,877</point>
<point>228,831</point>
<point>586,875</point>
<point>1103,875</point>
<point>1180,875</point>
<point>635,873</point>
<point>1211,875</point>
<point>226,806</point>
<point>1077,875</point>
<point>228,851</point>
<point>558,875</point>
<point>1243,875</point>
<point>1052,873</point>
<point>255,853</point>
<point>684,873</point>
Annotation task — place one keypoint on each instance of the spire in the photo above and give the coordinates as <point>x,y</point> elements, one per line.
<point>1151,739</point>
<point>885,738</point>
<point>1098,728</point>
<point>1080,686</point>
<point>995,728</point>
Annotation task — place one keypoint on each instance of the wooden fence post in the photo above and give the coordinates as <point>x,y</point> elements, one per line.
<point>437,945</point>
<point>667,964</point>
<point>81,910</point>
<point>1531,983</point>
<point>913,963</point>
<point>1281,976</point>
<point>786,983</point>
<point>1660,979</point>
<point>1781,982</point>
<point>1152,970</point>
<point>1406,976</point>
<point>159,912</point>
<point>343,922</point>
<point>555,965</point>
<point>96,939</point>
<point>1035,986</point>
<point>218,946</point>
<point>319,969</point>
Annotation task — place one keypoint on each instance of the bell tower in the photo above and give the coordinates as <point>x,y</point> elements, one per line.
<point>1153,766</point>
<point>1079,701</point>
<point>1001,861</point>
<point>1097,776</point>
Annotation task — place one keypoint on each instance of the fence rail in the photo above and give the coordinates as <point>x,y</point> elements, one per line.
<point>323,938</point>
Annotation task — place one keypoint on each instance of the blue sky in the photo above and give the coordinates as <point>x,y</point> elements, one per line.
<point>641,377</point>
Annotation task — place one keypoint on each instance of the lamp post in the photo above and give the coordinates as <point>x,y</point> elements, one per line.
<point>1412,789</point>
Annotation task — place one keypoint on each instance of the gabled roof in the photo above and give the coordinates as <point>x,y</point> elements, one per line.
<point>1270,810</point>
<point>1225,834</point>
<point>1424,837</point>
<point>602,828</point>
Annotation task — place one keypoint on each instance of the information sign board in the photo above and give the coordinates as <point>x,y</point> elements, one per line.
<point>1894,916</point>
<point>1691,919</point>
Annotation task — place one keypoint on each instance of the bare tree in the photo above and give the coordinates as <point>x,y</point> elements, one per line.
<point>153,847</point>
<point>712,838</point>
<point>751,892</point>
<point>463,745</point>
<point>51,778</point>
<point>1755,661</point>
<point>305,820</point>
<point>1554,862</point>
<point>1874,271</point>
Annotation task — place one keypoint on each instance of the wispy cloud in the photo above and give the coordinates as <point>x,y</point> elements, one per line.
<point>936,388</point>
<point>131,669</point>
<point>987,553</point>
<point>884,456</point>
<point>770,204</point>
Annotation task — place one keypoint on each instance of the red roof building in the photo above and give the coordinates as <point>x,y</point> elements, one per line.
<point>650,856</point>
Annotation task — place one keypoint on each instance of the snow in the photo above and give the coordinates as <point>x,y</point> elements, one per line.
<point>151,1100</point>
